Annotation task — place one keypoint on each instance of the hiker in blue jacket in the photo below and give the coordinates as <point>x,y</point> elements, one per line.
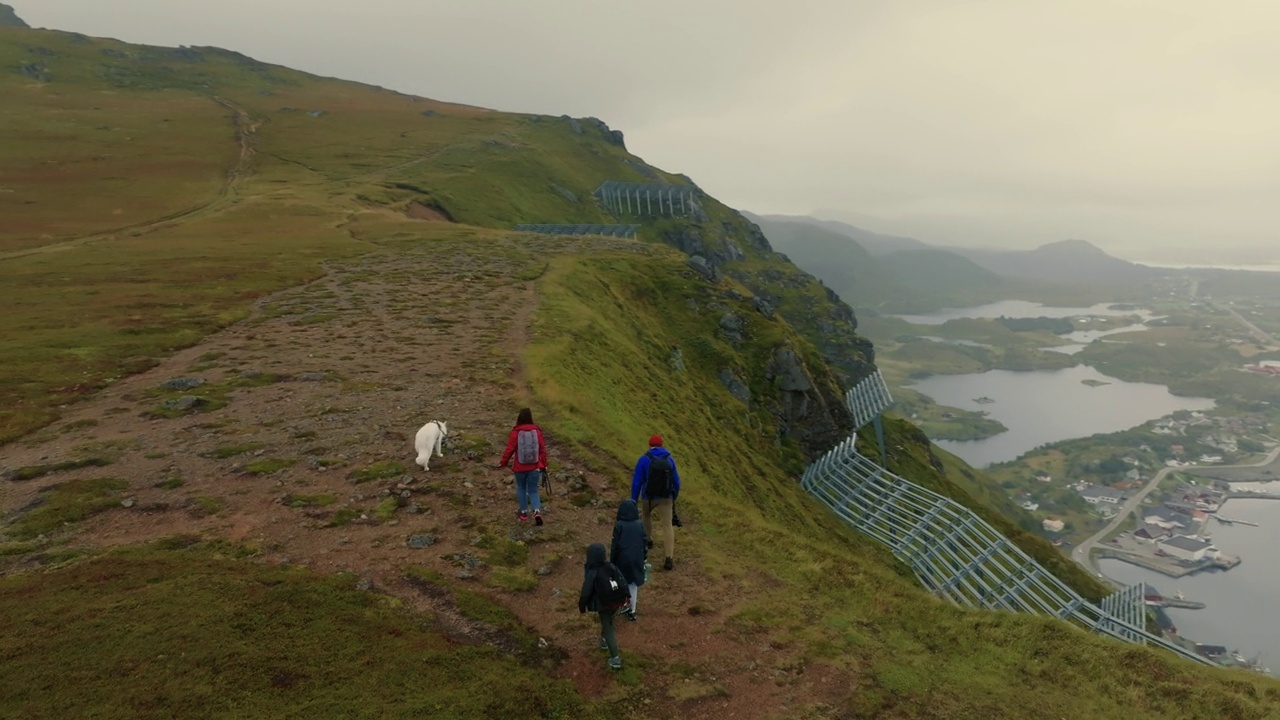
<point>656,482</point>
<point>628,551</point>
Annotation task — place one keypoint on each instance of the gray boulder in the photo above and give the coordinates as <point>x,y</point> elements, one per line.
<point>735,386</point>
<point>732,328</point>
<point>704,268</point>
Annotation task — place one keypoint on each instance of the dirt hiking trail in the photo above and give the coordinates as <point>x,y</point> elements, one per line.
<point>334,378</point>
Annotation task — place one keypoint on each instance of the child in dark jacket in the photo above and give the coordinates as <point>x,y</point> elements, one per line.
<point>629,550</point>
<point>587,600</point>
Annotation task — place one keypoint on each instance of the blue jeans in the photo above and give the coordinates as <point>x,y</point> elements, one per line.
<point>527,490</point>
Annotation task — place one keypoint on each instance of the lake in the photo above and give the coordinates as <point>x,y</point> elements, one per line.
<point>1046,406</point>
<point>1241,602</point>
<point>1020,309</point>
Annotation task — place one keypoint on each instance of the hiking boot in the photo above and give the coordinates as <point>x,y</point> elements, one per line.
<point>615,663</point>
<point>668,564</point>
<point>537,517</point>
<point>648,544</point>
<point>630,615</point>
<point>523,516</point>
<point>604,644</point>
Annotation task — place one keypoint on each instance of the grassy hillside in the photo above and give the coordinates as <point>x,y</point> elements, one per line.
<point>278,178</point>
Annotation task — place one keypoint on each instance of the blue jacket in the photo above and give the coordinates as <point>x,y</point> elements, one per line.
<point>642,474</point>
<point>628,549</point>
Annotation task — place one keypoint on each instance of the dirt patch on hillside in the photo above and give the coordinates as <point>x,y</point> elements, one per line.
<point>311,461</point>
<point>418,211</point>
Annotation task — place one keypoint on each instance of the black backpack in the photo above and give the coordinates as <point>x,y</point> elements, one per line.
<point>659,483</point>
<point>611,587</point>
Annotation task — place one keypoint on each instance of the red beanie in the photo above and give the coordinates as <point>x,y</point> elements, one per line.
<point>655,441</point>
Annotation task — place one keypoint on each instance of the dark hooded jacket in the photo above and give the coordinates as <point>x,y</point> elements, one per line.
<point>595,560</point>
<point>628,549</point>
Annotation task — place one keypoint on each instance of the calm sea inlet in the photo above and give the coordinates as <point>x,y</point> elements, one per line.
<point>1044,406</point>
<point>1047,406</point>
<point>1240,603</point>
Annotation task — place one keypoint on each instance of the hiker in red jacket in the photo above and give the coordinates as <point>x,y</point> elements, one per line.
<point>529,450</point>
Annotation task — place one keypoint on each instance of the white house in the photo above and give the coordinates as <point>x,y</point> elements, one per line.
<point>1185,548</point>
<point>1043,477</point>
<point>1052,525</point>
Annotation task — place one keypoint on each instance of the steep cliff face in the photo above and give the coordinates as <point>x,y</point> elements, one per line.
<point>728,244</point>
<point>9,18</point>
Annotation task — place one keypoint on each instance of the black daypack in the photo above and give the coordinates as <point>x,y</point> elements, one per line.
<point>660,481</point>
<point>611,587</point>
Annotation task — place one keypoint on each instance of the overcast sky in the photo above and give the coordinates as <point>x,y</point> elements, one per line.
<point>1151,128</point>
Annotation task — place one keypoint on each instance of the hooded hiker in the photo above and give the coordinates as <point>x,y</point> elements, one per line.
<point>604,590</point>
<point>628,550</point>
<point>529,449</point>
<point>656,485</point>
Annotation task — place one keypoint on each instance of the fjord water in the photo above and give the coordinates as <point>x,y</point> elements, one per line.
<point>1046,406</point>
<point>1240,610</point>
<point>1021,309</point>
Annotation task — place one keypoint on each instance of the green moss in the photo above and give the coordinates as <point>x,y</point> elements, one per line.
<point>504,552</point>
<point>226,451</point>
<point>269,466</point>
<point>378,471</point>
<point>518,579</point>
<point>204,506</point>
<point>345,516</point>
<point>68,503</point>
<point>386,509</point>
<point>320,500</point>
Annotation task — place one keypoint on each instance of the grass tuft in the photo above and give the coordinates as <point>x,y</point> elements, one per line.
<point>66,504</point>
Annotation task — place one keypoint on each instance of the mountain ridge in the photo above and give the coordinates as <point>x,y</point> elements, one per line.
<point>235,378</point>
<point>9,17</point>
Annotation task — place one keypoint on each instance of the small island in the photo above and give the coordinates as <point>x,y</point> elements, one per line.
<point>1094,383</point>
<point>984,400</point>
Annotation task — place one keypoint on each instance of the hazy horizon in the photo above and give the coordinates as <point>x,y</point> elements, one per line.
<point>1145,128</point>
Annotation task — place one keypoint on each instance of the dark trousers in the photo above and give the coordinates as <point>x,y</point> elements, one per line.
<point>606,631</point>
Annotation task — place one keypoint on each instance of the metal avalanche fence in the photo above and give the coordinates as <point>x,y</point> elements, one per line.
<point>953,552</point>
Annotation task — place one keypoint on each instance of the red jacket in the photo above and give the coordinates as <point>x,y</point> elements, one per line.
<point>511,450</point>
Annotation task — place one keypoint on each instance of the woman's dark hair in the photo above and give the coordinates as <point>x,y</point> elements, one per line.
<point>525,417</point>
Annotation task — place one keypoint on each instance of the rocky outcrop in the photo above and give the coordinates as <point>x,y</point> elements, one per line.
<point>811,414</point>
<point>735,386</point>
<point>830,324</point>
<point>704,268</point>
<point>613,137</point>
<point>732,328</point>
<point>9,18</point>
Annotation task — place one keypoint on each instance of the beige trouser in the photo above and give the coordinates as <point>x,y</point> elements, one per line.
<point>659,509</point>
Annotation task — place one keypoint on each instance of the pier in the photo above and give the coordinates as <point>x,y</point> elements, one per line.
<point>1170,568</point>
<point>1252,495</point>
<point>1232,521</point>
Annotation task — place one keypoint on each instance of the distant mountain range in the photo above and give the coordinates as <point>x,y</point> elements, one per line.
<point>876,270</point>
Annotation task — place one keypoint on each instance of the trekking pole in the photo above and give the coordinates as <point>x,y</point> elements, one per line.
<point>546,481</point>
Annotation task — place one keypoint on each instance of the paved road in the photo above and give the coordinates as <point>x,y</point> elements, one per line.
<point>1258,333</point>
<point>1082,552</point>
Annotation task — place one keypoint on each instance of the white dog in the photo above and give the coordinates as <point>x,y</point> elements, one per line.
<point>429,440</point>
